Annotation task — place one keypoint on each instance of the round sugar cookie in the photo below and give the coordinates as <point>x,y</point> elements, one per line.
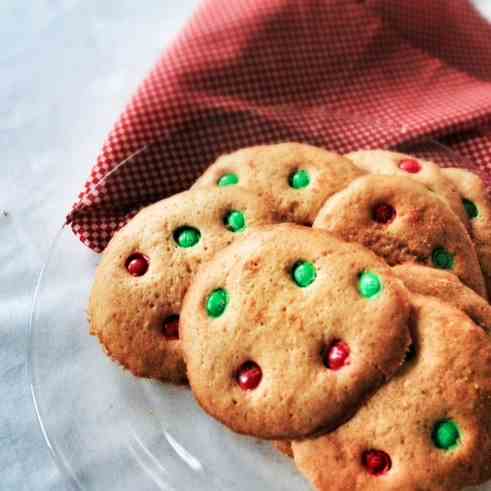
<point>147,267</point>
<point>428,429</point>
<point>298,178</point>
<point>286,332</point>
<point>442,285</point>
<point>478,207</point>
<point>384,162</point>
<point>401,221</point>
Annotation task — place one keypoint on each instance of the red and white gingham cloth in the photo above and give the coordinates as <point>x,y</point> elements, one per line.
<point>343,74</point>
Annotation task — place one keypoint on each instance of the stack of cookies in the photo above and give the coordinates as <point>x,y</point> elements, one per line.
<point>336,305</point>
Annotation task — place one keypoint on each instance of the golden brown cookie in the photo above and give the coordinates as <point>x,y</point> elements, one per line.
<point>428,429</point>
<point>401,221</point>
<point>448,288</point>
<point>148,266</point>
<point>287,331</point>
<point>384,162</point>
<point>298,178</point>
<point>442,285</point>
<point>478,208</point>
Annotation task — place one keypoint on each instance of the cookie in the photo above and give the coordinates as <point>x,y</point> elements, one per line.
<point>478,208</point>
<point>298,178</point>
<point>428,429</point>
<point>442,285</point>
<point>401,221</point>
<point>286,332</point>
<point>448,288</point>
<point>384,162</point>
<point>148,266</point>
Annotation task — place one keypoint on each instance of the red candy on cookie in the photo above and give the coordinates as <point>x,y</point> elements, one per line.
<point>137,264</point>
<point>170,328</point>
<point>410,165</point>
<point>376,462</point>
<point>249,376</point>
<point>384,213</point>
<point>337,356</point>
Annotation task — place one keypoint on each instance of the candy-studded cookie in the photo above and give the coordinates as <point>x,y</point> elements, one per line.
<point>428,429</point>
<point>401,221</point>
<point>442,285</point>
<point>448,288</point>
<point>297,178</point>
<point>287,331</point>
<point>478,208</point>
<point>384,162</point>
<point>147,267</point>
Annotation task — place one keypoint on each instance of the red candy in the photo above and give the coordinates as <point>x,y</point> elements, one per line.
<point>376,462</point>
<point>137,264</point>
<point>249,375</point>
<point>171,327</point>
<point>383,213</point>
<point>410,165</point>
<point>337,355</point>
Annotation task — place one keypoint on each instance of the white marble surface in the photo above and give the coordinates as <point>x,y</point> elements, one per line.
<point>67,69</point>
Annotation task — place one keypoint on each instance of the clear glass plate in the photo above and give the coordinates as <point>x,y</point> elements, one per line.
<point>109,430</point>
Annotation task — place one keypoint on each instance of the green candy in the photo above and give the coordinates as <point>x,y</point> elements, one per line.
<point>187,236</point>
<point>228,180</point>
<point>299,179</point>
<point>442,259</point>
<point>235,221</point>
<point>446,435</point>
<point>470,208</point>
<point>369,285</point>
<point>304,273</point>
<point>217,302</point>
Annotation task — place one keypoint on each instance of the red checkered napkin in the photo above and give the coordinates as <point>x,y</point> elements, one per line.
<point>343,74</point>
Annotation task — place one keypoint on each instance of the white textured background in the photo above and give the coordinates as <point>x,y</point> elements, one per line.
<point>67,67</point>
